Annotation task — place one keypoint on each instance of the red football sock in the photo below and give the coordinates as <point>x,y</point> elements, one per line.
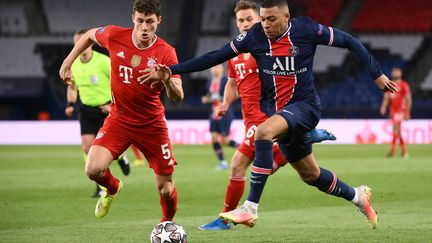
<point>279,159</point>
<point>402,145</point>
<point>393,144</point>
<point>169,206</point>
<point>137,152</point>
<point>107,180</point>
<point>234,193</point>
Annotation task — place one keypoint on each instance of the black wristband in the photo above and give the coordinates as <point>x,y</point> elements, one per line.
<point>70,104</point>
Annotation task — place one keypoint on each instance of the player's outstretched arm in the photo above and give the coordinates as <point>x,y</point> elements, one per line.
<point>83,43</point>
<point>201,63</point>
<point>230,95</point>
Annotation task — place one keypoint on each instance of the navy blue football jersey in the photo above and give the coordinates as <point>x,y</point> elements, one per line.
<point>285,64</point>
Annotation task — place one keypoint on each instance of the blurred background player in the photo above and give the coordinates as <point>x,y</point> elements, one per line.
<point>91,88</point>
<point>219,126</point>
<point>243,81</point>
<point>137,115</point>
<point>400,109</point>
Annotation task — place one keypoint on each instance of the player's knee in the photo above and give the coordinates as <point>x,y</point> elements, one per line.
<point>263,133</point>
<point>165,192</point>
<point>238,168</point>
<point>92,170</point>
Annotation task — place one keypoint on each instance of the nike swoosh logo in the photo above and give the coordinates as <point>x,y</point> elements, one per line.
<point>268,53</point>
<point>289,112</point>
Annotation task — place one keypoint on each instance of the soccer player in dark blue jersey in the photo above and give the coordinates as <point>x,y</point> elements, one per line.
<point>284,49</point>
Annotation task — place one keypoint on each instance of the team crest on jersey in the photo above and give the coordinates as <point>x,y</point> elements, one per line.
<point>100,135</point>
<point>241,36</point>
<point>293,51</point>
<point>151,63</point>
<point>320,29</point>
<point>101,30</point>
<point>135,60</point>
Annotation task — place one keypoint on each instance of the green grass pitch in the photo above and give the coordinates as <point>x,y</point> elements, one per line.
<point>45,197</point>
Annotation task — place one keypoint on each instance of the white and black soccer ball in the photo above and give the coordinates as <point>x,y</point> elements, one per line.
<point>168,232</point>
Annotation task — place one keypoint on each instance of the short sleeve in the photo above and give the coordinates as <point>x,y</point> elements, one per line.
<point>323,35</point>
<point>231,70</point>
<point>171,59</point>
<point>102,35</point>
<point>106,65</point>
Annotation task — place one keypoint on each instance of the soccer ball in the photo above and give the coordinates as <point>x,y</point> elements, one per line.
<point>168,232</point>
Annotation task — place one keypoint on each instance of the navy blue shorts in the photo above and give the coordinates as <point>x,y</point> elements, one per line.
<point>302,117</point>
<point>221,126</point>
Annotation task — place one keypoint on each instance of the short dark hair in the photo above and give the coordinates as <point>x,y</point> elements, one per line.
<point>245,4</point>
<point>80,31</point>
<point>147,7</point>
<point>274,3</point>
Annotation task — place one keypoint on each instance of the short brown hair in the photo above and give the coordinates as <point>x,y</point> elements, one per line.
<point>147,7</point>
<point>245,4</point>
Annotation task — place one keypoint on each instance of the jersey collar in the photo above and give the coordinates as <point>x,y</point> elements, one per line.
<point>284,34</point>
<point>151,44</point>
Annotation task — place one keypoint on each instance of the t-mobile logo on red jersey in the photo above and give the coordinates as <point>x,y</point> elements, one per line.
<point>125,73</point>
<point>240,67</point>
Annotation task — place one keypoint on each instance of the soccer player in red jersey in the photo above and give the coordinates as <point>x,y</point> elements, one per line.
<point>400,109</point>
<point>137,114</point>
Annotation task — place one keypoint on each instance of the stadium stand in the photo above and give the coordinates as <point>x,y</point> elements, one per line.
<point>403,45</point>
<point>427,83</point>
<point>392,16</point>
<point>32,44</point>
<point>12,19</point>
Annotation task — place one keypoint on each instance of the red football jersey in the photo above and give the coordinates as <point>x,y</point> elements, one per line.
<point>245,70</point>
<point>397,99</point>
<point>132,102</point>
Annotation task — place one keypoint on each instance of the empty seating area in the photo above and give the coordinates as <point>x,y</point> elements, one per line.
<point>12,18</point>
<point>19,57</point>
<point>65,17</point>
<point>216,15</point>
<point>326,57</point>
<point>427,83</point>
<point>322,11</point>
<point>403,45</point>
<point>394,16</point>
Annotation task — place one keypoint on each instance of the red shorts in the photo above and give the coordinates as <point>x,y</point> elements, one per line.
<point>247,147</point>
<point>152,140</point>
<point>397,116</point>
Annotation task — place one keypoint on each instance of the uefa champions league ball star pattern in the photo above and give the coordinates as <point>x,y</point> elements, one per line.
<point>168,232</point>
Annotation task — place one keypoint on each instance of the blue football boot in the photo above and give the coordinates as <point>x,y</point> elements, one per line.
<point>217,224</point>
<point>318,135</point>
